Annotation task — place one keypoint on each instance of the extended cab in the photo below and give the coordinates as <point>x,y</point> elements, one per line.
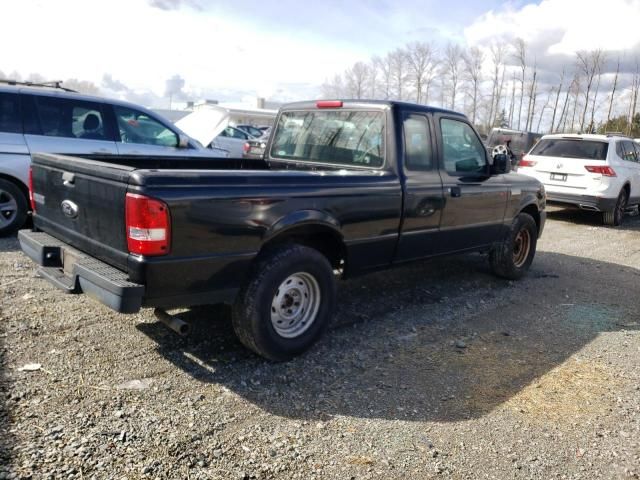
<point>345,187</point>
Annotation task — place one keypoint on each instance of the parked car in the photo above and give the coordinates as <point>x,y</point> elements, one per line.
<point>599,173</point>
<point>233,140</point>
<point>54,120</point>
<point>346,188</point>
<point>255,132</point>
<point>254,148</point>
<point>517,142</point>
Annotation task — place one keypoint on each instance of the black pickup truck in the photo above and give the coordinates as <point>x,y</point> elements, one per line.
<point>345,187</point>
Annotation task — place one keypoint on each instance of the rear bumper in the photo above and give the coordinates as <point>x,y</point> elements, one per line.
<point>584,202</point>
<point>82,273</point>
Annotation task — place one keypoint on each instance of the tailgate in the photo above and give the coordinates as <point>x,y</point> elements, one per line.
<point>82,202</point>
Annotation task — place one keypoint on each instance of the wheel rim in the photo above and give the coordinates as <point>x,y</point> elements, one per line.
<point>295,305</point>
<point>8,208</point>
<point>521,247</point>
<point>621,207</point>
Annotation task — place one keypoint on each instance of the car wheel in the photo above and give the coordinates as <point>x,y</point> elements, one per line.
<point>614,217</point>
<point>512,257</point>
<point>13,207</point>
<point>286,303</point>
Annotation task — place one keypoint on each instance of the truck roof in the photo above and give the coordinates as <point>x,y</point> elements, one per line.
<point>355,103</point>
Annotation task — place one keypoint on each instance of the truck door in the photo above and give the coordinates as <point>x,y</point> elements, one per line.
<point>423,197</point>
<point>475,202</point>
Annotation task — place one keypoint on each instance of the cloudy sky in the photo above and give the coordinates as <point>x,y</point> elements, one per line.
<point>284,50</point>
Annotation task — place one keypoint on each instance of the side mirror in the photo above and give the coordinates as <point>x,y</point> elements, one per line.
<point>501,164</point>
<point>183,141</point>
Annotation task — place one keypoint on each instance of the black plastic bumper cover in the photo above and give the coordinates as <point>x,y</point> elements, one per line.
<point>84,274</point>
<point>585,202</point>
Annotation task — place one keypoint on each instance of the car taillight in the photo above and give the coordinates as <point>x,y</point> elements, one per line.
<point>31,197</point>
<point>246,147</point>
<point>329,104</point>
<point>526,162</point>
<point>601,169</point>
<point>148,225</point>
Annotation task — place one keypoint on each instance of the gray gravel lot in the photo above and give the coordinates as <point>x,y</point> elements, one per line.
<point>433,370</point>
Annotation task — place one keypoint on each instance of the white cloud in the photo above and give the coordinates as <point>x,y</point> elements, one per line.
<point>143,46</point>
<point>564,26</point>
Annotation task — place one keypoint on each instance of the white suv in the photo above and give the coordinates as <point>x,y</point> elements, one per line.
<point>600,173</point>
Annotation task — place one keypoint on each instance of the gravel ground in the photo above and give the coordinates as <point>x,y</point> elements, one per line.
<point>433,370</point>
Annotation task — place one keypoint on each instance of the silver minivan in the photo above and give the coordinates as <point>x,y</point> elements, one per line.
<point>55,120</point>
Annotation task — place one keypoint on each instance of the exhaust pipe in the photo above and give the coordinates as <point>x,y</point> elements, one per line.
<point>176,324</point>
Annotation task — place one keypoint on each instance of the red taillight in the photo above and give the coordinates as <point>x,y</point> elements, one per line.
<point>329,104</point>
<point>148,225</point>
<point>526,162</point>
<point>31,198</point>
<point>246,147</point>
<point>601,169</point>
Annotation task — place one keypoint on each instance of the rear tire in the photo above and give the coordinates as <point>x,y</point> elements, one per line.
<point>13,207</point>
<point>614,217</point>
<point>513,256</point>
<point>287,302</point>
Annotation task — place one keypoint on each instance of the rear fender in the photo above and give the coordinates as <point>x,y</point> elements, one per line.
<point>302,218</point>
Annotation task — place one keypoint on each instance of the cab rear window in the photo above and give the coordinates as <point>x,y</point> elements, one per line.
<point>348,138</point>
<point>569,148</point>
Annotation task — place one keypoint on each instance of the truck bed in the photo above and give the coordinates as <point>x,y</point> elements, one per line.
<point>221,215</point>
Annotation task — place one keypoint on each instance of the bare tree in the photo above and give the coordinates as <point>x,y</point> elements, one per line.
<point>555,105</point>
<point>521,56</point>
<point>398,64</point>
<point>498,52</point>
<point>635,88</point>
<point>473,60</point>
<point>613,91</point>
<point>565,108</point>
<point>575,93</point>
<point>452,60</point>
<point>544,107</point>
<point>373,78</point>
<point>384,65</point>
<point>513,99</point>
<point>420,61</point>
<point>357,78</point>
<point>588,64</point>
<point>333,88</point>
<point>532,98</point>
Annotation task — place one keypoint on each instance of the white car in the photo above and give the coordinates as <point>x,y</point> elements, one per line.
<point>600,173</point>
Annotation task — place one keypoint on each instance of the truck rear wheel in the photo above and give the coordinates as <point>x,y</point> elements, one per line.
<point>287,302</point>
<point>513,256</point>
<point>13,207</point>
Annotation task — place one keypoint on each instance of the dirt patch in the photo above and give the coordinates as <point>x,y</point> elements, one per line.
<point>573,391</point>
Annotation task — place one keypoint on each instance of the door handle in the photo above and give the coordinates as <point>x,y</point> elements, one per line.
<point>455,192</point>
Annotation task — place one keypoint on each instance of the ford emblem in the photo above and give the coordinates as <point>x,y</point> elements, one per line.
<point>69,209</point>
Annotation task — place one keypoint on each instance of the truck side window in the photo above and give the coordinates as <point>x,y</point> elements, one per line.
<point>10,120</point>
<point>63,117</point>
<point>417,145</point>
<point>463,151</point>
<point>138,127</point>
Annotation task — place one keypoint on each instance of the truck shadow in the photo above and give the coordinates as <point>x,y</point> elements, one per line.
<point>9,243</point>
<point>435,341</point>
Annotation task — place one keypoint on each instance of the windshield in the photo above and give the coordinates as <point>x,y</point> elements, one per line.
<point>345,137</point>
<point>569,148</point>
